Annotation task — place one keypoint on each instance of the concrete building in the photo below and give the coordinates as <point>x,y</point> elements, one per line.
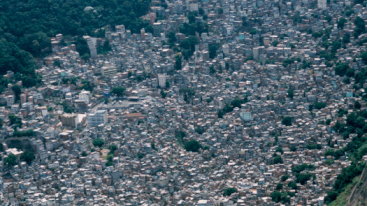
<point>322,4</point>
<point>162,79</point>
<point>246,115</point>
<point>69,120</point>
<point>109,69</point>
<point>84,96</point>
<point>92,45</point>
<point>97,118</point>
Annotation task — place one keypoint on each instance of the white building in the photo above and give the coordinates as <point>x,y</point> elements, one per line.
<point>109,70</point>
<point>321,4</point>
<point>92,45</point>
<point>246,115</point>
<point>84,96</point>
<point>204,203</point>
<point>10,100</point>
<point>162,79</point>
<point>97,118</point>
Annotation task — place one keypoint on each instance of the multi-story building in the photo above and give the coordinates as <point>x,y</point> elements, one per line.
<point>97,118</point>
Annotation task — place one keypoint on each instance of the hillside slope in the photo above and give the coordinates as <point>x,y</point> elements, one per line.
<point>358,197</point>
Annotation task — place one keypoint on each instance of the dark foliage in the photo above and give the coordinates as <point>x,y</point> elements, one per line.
<point>15,121</point>
<point>282,197</point>
<point>98,142</point>
<point>118,91</point>
<point>229,191</point>
<point>26,133</point>
<point>213,50</point>
<point>10,160</point>
<point>287,121</point>
<point>27,25</point>
<point>192,146</point>
<point>27,156</point>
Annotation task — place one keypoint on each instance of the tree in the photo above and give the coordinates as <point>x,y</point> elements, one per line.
<point>87,85</point>
<point>188,46</point>
<point>212,70</point>
<point>280,150</point>
<point>163,94</point>
<point>171,38</point>
<point>16,60</point>
<point>287,121</point>
<point>276,196</point>
<point>67,107</point>
<point>98,142</point>
<point>27,156</point>
<point>277,159</point>
<point>237,102</point>
<point>199,129</point>
<point>82,48</point>
<point>341,23</point>
<point>319,105</point>
<point>299,168</point>
<point>38,44</point>
<point>229,191</point>
<point>178,62</point>
<point>282,197</point>
<point>292,185</point>
<point>192,146</point>
<point>303,177</point>
<point>313,146</point>
<point>180,134</point>
<point>26,28</point>
<point>109,160</point>
<point>104,48</point>
<point>279,186</point>
<point>284,178</point>
<point>290,93</point>
<point>358,1</point>
<point>17,91</point>
<point>360,26</point>
<point>346,38</point>
<point>112,148</point>
<point>364,57</point>
<point>331,196</point>
<point>15,121</point>
<point>220,114</point>
<point>341,69</point>
<point>118,91</point>
<point>26,133</point>
<point>288,62</point>
<point>10,160</point>
<point>292,148</point>
<point>213,50</point>
<point>188,94</point>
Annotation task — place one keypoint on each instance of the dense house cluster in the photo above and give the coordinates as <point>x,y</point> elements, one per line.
<point>255,95</point>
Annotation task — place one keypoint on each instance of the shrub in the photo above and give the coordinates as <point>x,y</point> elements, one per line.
<point>192,146</point>
<point>229,191</point>
<point>10,160</point>
<point>302,167</point>
<point>287,121</point>
<point>277,159</point>
<point>292,185</point>
<point>98,142</point>
<point>303,177</point>
<point>26,133</point>
<point>27,156</point>
<point>282,197</point>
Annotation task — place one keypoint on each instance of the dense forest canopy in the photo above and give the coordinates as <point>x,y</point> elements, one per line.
<point>27,25</point>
